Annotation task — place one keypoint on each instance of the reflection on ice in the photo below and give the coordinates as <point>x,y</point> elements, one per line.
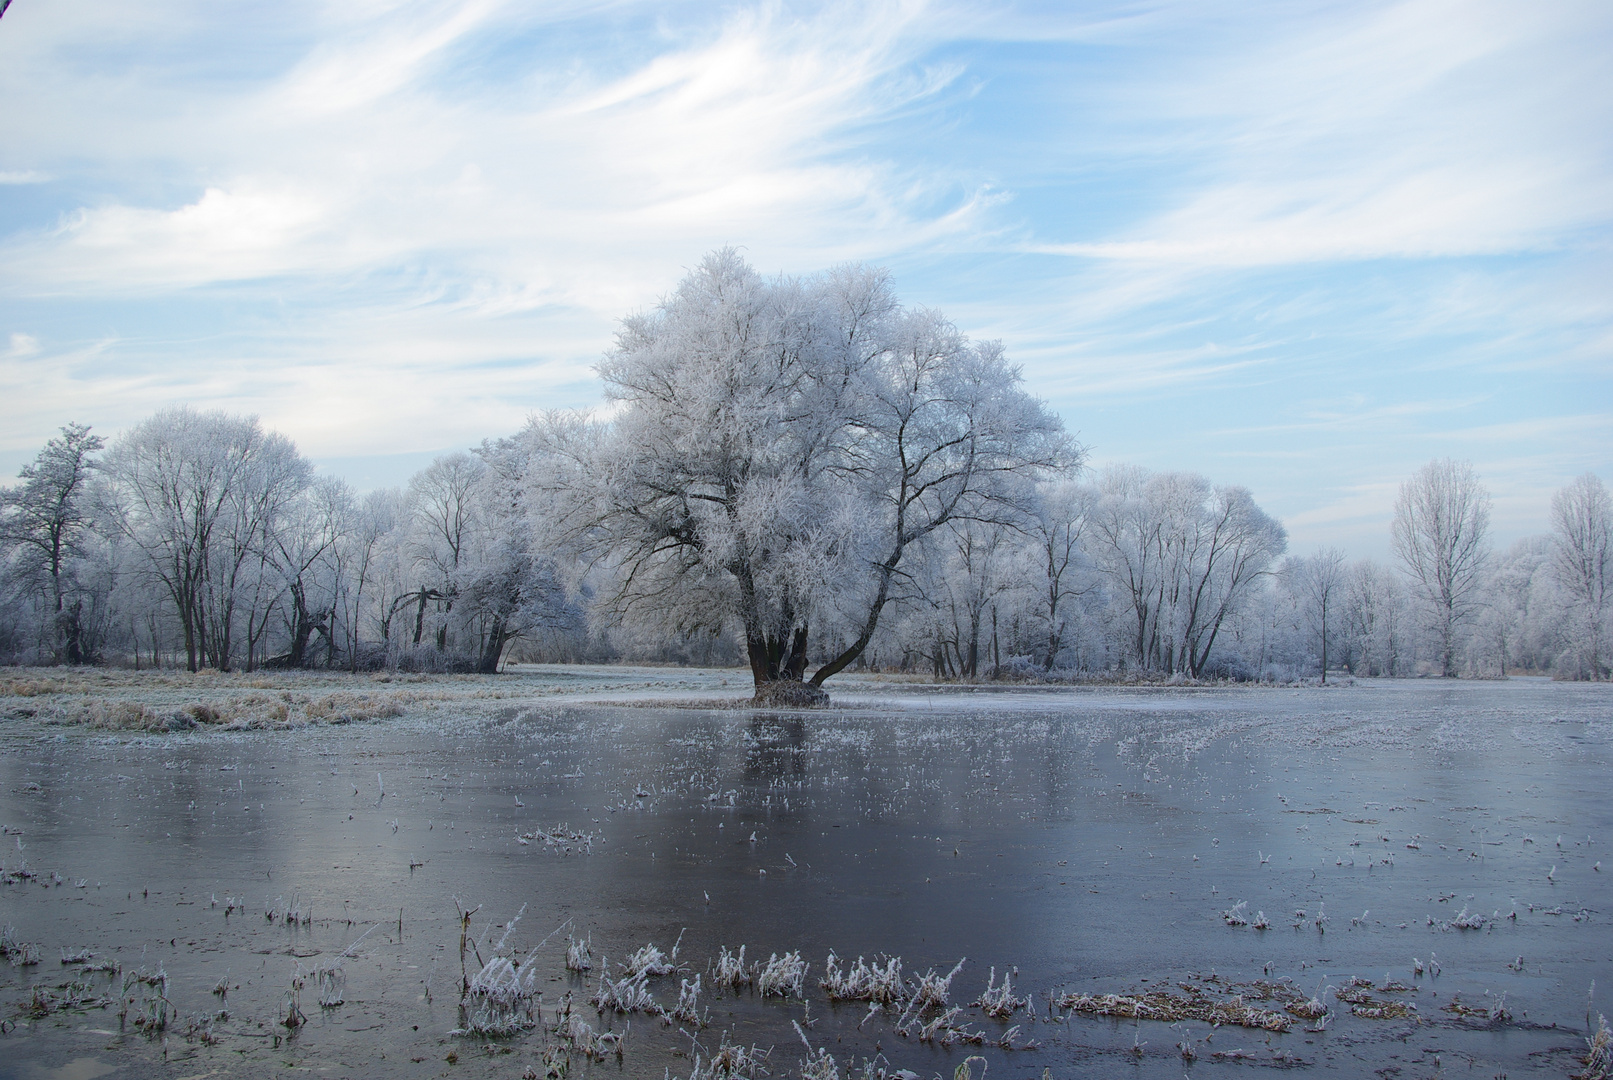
<point>1336,877</point>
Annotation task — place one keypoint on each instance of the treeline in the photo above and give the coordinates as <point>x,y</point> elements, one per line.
<point>800,474</point>
<point>201,540</point>
<point>1164,574</point>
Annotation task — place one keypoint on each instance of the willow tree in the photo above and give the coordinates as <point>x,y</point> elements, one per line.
<point>778,449</point>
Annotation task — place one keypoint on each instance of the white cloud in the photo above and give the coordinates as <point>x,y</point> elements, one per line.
<point>224,235</point>
<point>393,223</point>
<point>1413,129</point>
<point>554,192</point>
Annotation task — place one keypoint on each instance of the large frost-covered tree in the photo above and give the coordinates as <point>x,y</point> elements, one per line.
<point>778,449</point>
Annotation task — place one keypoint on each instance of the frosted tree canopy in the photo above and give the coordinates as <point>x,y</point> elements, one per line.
<point>780,450</point>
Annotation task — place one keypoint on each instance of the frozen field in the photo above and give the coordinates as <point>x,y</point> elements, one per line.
<point>1094,842</point>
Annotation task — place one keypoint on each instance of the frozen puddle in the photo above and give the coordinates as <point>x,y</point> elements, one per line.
<point>1115,850</point>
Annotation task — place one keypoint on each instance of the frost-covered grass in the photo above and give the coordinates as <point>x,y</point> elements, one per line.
<point>782,976</point>
<point>863,981</point>
<point>628,994</point>
<point>730,1061</point>
<point>580,954</point>
<point>168,701</point>
<point>15,951</point>
<point>502,998</point>
<point>144,1000</point>
<point>730,969</point>
<point>932,991</point>
<point>332,980</point>
<point>688,1007</point>
<point>1171,1007</point>
<point>159,701</point>
<point>997,1001</point>
<point>1598,1053</point>
<point>650,961</point>
<point>577,1034</point>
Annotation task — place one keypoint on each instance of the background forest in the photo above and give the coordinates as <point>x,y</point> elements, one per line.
<point>794,472</point>
<point>239,557</point>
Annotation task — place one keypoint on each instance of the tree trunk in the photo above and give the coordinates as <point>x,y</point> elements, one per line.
<point>996,654</point>
<point>493,649</point>
<point>72,632</point>
<point>778,669</point>
<point>1324,639</point>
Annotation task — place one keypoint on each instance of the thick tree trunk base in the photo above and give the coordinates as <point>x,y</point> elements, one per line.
<point>790,694</point>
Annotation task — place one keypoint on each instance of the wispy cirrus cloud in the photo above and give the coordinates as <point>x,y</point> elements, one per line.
<point>1260,240</point>
<point>365,154</point>
<point>1423,128</point>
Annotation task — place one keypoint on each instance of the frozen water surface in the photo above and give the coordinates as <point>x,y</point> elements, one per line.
<point>1093,841</point>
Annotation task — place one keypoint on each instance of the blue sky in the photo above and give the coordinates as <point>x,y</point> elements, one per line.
<point>1300,247</point>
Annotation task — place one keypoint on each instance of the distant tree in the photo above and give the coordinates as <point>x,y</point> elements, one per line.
<point>1441,517</point>
<point>264,500</point>
<point>198,495</point>
<point>1058,531</point>
<point>1184,556</point>
<point>1127,537</point>
<point>358,557</point>
<point>303,551</point>
<point>1374,624</point>
<point>1582,562</point>
<point>975,579</point>
<point>509,587</point>
<point>1319,582</point>
<point>778,450</point>
<point>44,522</point>
<point>441,510</point>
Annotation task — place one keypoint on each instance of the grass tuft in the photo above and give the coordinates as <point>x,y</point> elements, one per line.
<point>782,976</point>
<point>1598,1054</point>
<point>1166,1006</point>
<point>580,954</point>
<point>999,1002</point>
<point>876,982</point>
<point>502,998</point>
<point>730,970</point>
<point>16,952</point>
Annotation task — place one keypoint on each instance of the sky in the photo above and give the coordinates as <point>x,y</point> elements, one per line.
<point>1300,247</point>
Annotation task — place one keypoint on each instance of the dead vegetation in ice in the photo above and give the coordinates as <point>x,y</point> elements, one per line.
<point>1168,1006</point>
<point>660,990</point>
<point>160,704</point>
<point>167,700</point>
<point>1598,1052</point>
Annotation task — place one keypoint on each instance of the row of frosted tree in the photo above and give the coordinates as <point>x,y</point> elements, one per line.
<point>200,540</point>
<point>799,475</point>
